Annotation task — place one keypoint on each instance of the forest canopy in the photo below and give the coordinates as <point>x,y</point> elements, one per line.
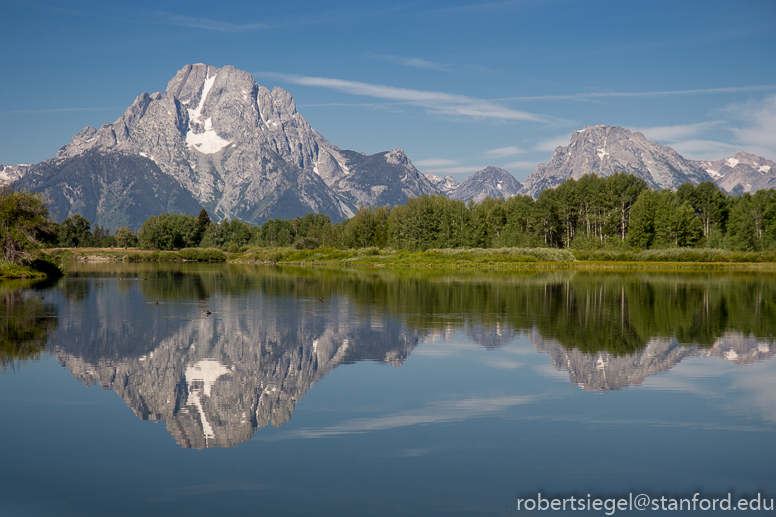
<point>618,212</point>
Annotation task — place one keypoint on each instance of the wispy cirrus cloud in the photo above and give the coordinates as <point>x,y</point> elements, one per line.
<point>436,162</point>
<point>551,143</point>
<point>503,152</point>
<point>752,125</point>
<point>686,139</point>
<point>460,169</point>
<point>166,18</point>
<point>586,96</point>
<point>700,149</point>
<point>678,132</point>
<point>207,23</point>
<point>413,62</point>
<point>759,125</point>
<point>435,102</point>
<point>522,165</point>
<point>56,110</point>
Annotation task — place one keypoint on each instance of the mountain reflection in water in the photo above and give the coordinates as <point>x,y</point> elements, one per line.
<point>214,379</point>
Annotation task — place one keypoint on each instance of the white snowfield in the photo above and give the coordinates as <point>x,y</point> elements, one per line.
<point>208,142</point>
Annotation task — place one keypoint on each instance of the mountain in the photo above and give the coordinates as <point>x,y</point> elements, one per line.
<point>111,189</point>
<point>742,172</point>
<point>604,150</point>
<point>11,173</point>
<point>489,182</point>
<point>386,178</point>
<point>220,141</point>
<point>446,185</point>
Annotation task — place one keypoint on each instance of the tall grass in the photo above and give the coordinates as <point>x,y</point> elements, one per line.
<point>435,257</point>
<point>676,255</point>
<point>190,254</point>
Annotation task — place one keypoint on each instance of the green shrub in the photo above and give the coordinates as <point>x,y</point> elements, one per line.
<point>49,266</point>
<point>202,254</point>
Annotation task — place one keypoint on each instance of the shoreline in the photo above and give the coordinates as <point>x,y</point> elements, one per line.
<point>460,259</point>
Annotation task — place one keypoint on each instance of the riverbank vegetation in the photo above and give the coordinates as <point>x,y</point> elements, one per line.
<point>606,220</point>
<point>24,226</point>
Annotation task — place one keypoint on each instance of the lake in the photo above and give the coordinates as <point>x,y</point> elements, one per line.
<point>213,389</point>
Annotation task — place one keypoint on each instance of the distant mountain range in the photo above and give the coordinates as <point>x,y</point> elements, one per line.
<point>604,150</point>
<point>489,182</point>
<point>742,172</point>
<point>217,139</point>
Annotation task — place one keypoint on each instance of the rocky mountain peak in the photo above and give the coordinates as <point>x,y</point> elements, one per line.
<point>397,157</point>
<point>604,150</point>
<point>742,172</point>
<point>489,182</point>
<point>231,146</point>
<point>446,185</point>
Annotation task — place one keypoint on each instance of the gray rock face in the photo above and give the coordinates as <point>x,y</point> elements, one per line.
<point>386,178</point>
<point>742,172</point>
<point>111,189</point>
<point>237,148</point>
<point>241,150</point>
<point>489,182</point>
<point>604,150</point>
<point>11,173</point>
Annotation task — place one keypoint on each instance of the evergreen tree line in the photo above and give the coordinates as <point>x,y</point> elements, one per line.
<point>616,212</point>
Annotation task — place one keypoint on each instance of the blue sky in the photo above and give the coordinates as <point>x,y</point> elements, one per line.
<point>457,84</point>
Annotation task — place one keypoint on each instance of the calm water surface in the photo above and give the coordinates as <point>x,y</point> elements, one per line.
<point>152,389</point>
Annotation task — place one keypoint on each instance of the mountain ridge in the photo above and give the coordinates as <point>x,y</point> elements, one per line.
<point>216,139</point>
<point>235,147</point>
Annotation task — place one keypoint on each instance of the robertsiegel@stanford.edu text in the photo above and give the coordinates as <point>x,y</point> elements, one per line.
<point>610,505</point>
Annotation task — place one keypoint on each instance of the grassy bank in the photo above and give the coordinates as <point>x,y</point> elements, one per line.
<point>468,258</point>
<point>13,271</point>
<point>515,258</point>
<point>503,257</point>
<point>39,268</point>
<point>136,255</point>
<point>677,255</point>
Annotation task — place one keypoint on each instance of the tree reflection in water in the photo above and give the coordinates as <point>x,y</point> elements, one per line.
<point>26,321</point>
<point>214,379</point>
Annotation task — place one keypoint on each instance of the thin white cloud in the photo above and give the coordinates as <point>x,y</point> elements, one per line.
<point>57,110</point>
<point>165,18</point>
<point>435,102</point>
<point>678,132</point>
<point>208,24</point>
<point>503,152</point>
<point>598,95</point>
<point>752,123</point>
<point>435,162</point>
<point>455,170</point>
<point>697,149</point>
<point>413,62</point>
<point>523,165</point>
<point>759,130</point>
<point>551,143</point>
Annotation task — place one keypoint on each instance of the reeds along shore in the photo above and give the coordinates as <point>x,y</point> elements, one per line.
<point>473,258</point>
